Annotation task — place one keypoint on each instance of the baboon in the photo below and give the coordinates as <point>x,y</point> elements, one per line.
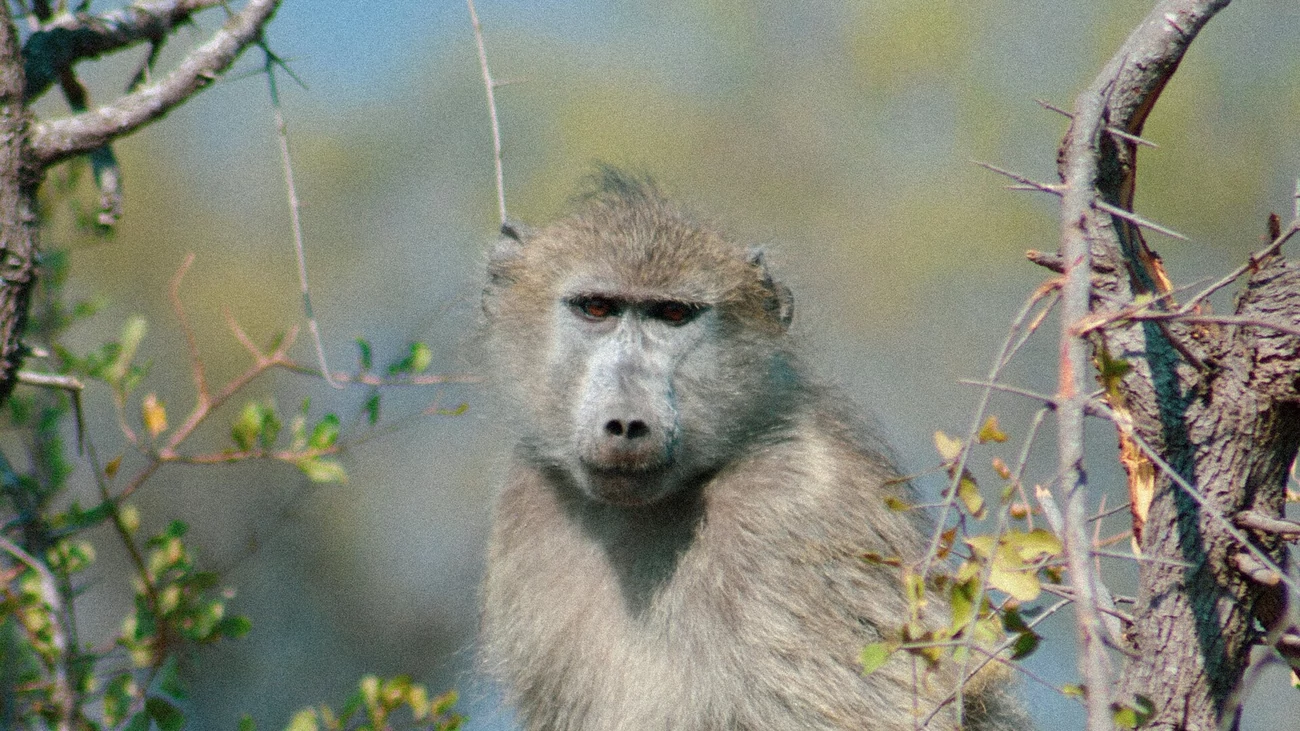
<point>678,545</point>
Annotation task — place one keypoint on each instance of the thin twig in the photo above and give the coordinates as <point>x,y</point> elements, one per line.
<point>295,218</point>
<point>1143,559</point>
<point>1251,263</point>
<point>191,342</point>
<point>1044,398</point>
<point>490,86</point>
<point>1236,320</point>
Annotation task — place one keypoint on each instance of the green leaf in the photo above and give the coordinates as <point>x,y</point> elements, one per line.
<point>1077,691</point>
<point>117,698</point>
<point>247,426</point>
<point>234,627</point>
<point>320,469</point>
<point>875,655</point>
<point>1019,583</point>
<point>1124,716</point>
<point>169,680</point>
<point>325,434</point>
<point>257,425</point>
<point>246,723</point>
<point>372,408</point>
<point>963,603</point>
<point>364,356</point>
<point>1024,645</point>
<point>139,722</point>
<point>420,358</point>
<point>167,716</point>
<point>460,409</point>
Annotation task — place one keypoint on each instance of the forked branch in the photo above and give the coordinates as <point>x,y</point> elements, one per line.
<point>56,140</point>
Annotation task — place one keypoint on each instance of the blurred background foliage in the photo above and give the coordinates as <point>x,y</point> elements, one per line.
<point>840,135</point>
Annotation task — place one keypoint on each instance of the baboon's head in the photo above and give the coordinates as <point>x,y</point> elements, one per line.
<point>641,348</point>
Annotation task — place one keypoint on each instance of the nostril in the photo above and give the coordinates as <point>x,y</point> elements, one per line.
<point>614,427</point>
<point>636,429</point>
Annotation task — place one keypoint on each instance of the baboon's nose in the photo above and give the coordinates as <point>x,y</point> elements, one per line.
<point>634,429</point>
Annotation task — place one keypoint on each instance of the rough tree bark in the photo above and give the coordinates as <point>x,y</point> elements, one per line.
<point>1211,402</point>
<point>28,148</point>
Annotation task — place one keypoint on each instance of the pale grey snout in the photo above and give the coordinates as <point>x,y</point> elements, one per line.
<point>627,419</point>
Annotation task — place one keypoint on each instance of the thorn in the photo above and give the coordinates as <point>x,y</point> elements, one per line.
<point>1112,130</point>
<point>1137,220</point>
<point>1044,187</point>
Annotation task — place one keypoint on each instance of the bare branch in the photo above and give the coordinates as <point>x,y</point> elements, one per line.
<point>1077,202</point>
<point>73,37</point>
<point>51,380</point>
<point>56,140</point>
<point>1288,530</point>
<point>490,86</point>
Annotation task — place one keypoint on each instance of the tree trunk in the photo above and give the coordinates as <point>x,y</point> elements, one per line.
<point>1217,402</point>
<point>18,221</point>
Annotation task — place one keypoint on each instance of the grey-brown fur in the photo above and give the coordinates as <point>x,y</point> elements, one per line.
<point>728,593</point>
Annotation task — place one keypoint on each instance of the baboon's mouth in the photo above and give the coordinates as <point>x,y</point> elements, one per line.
<point>627,487</point>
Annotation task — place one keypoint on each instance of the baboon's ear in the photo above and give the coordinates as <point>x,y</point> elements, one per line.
<point>508,247</point>
<point>505,252</point>
<point>780,301</point>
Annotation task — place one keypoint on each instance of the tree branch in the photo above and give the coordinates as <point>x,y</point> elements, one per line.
<point>60,139</point>
<point>1223,426</point>
<point>70,38</point>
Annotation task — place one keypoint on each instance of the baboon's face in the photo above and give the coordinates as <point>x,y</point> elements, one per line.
<point>642,350</point>
<point>633,362</point>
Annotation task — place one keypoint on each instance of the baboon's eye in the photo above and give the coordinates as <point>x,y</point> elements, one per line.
<point>595,308</point>
<point>674,313</point>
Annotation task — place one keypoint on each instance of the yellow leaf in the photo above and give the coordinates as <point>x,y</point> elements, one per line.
<point>949,447</point>
<point>990,432</point>
<point>969,493</point>
<point>110,469</point>
<point>154,415</point>
<point>1031,545</point>
<point>982,545</point>
<point>1020,583</point>
<point>875,655</point>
